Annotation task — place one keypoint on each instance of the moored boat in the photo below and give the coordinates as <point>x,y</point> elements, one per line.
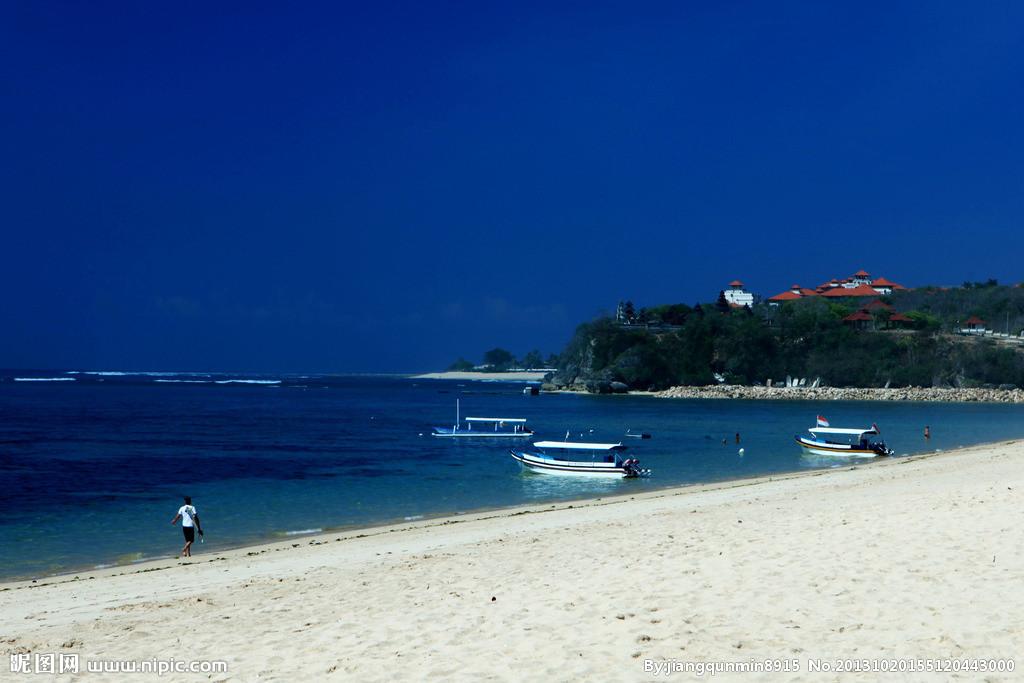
<point>844,442</point>
<point>579,459</point>
<point>485,427</point>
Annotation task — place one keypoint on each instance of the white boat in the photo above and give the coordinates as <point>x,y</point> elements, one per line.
<point>844,442</point>
<point>486,427</point>
<point>579,459</point>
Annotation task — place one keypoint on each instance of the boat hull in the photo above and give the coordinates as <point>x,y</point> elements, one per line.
<point>465,433</point>
<point>838,450</point>
<point>568,468</point>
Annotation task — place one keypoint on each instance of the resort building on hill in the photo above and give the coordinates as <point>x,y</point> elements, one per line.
<point>859,285</point>
<point>794,292</point>
<point>861,277</point>
<point>858,292</point>
<point>737,296</point>
<point>883,286</point>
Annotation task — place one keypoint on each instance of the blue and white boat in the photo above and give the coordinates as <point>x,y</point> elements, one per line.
<point>579,459</point>
<point>844,442</point>
<point>485,427</point>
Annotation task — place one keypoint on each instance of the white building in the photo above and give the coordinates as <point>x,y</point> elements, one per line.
<point>861,277</point>
<point>737,296</point>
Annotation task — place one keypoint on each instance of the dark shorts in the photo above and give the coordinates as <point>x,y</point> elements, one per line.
<point>190,533</point>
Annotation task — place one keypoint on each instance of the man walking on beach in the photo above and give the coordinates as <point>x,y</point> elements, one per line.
<point>189,524</point>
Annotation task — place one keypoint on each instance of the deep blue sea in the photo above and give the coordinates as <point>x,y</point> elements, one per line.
<point>92,468</point>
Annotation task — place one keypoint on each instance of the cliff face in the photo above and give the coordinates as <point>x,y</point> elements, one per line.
<point>576,370</point>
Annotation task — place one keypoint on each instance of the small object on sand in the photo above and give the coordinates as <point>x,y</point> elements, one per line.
<point>494,599</point>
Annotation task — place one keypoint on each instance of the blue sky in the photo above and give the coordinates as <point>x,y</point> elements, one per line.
<point>386,186</point>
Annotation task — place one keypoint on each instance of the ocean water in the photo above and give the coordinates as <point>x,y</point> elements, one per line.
<point>93,465</point>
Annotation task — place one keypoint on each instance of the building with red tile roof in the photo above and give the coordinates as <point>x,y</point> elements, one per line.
<point>784,296</point>
<point>900,320</point>
<point>737,296</point>
<point>795,292</point>
<point>974,325</point>
<point>859,285</point>
<point>850,292</point>
<point>861,319</point>
<point>883,286</point>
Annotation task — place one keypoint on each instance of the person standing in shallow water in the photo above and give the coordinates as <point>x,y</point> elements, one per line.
<point>189,525</point>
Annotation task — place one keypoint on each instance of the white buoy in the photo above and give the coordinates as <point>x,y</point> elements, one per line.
<point>742,451</point>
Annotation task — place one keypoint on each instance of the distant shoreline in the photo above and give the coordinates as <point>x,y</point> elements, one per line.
<point>518,376</point>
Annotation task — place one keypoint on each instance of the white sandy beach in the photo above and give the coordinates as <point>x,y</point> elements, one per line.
<point>911,558</point>
<point>522,376</point>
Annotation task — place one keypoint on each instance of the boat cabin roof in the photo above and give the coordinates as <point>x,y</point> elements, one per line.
<point>573,445</point>
<point>518,420</point>
<point>843,430</point>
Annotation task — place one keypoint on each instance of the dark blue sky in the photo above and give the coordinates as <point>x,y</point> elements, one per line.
<point>386,186</point>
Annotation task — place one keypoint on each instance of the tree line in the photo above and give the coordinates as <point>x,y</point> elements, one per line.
<point>500,360</point>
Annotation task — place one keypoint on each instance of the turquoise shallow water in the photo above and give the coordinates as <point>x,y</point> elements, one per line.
<point>92,470</point>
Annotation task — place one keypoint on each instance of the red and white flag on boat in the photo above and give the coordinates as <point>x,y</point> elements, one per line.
<point>822,422</point>
<point>875,427</point>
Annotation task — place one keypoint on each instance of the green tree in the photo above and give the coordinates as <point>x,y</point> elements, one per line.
<point>673,314</point>
<point>461,365</point>
<point>722,305</point>
<point>533,359</point>
<point>499,359</point>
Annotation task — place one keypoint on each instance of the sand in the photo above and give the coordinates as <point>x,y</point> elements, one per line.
<point>522,376</point>
<point>913,558</point>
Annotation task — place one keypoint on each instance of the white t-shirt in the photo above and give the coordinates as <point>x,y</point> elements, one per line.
<point>188,514</point>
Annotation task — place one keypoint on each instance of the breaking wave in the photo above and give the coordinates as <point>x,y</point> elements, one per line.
<point>183,381</point>
<point>248,381</point>
<point>44,379</point>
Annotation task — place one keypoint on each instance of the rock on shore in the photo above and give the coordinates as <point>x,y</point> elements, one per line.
<point>847,394</point>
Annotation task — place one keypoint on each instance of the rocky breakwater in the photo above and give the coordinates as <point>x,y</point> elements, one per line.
<point>1005,394</point>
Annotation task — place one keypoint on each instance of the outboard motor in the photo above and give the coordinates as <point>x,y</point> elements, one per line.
<point>632,468</point>
<point>881,449</point>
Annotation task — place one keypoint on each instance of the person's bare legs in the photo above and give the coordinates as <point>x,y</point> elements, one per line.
<point>186,551</point>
